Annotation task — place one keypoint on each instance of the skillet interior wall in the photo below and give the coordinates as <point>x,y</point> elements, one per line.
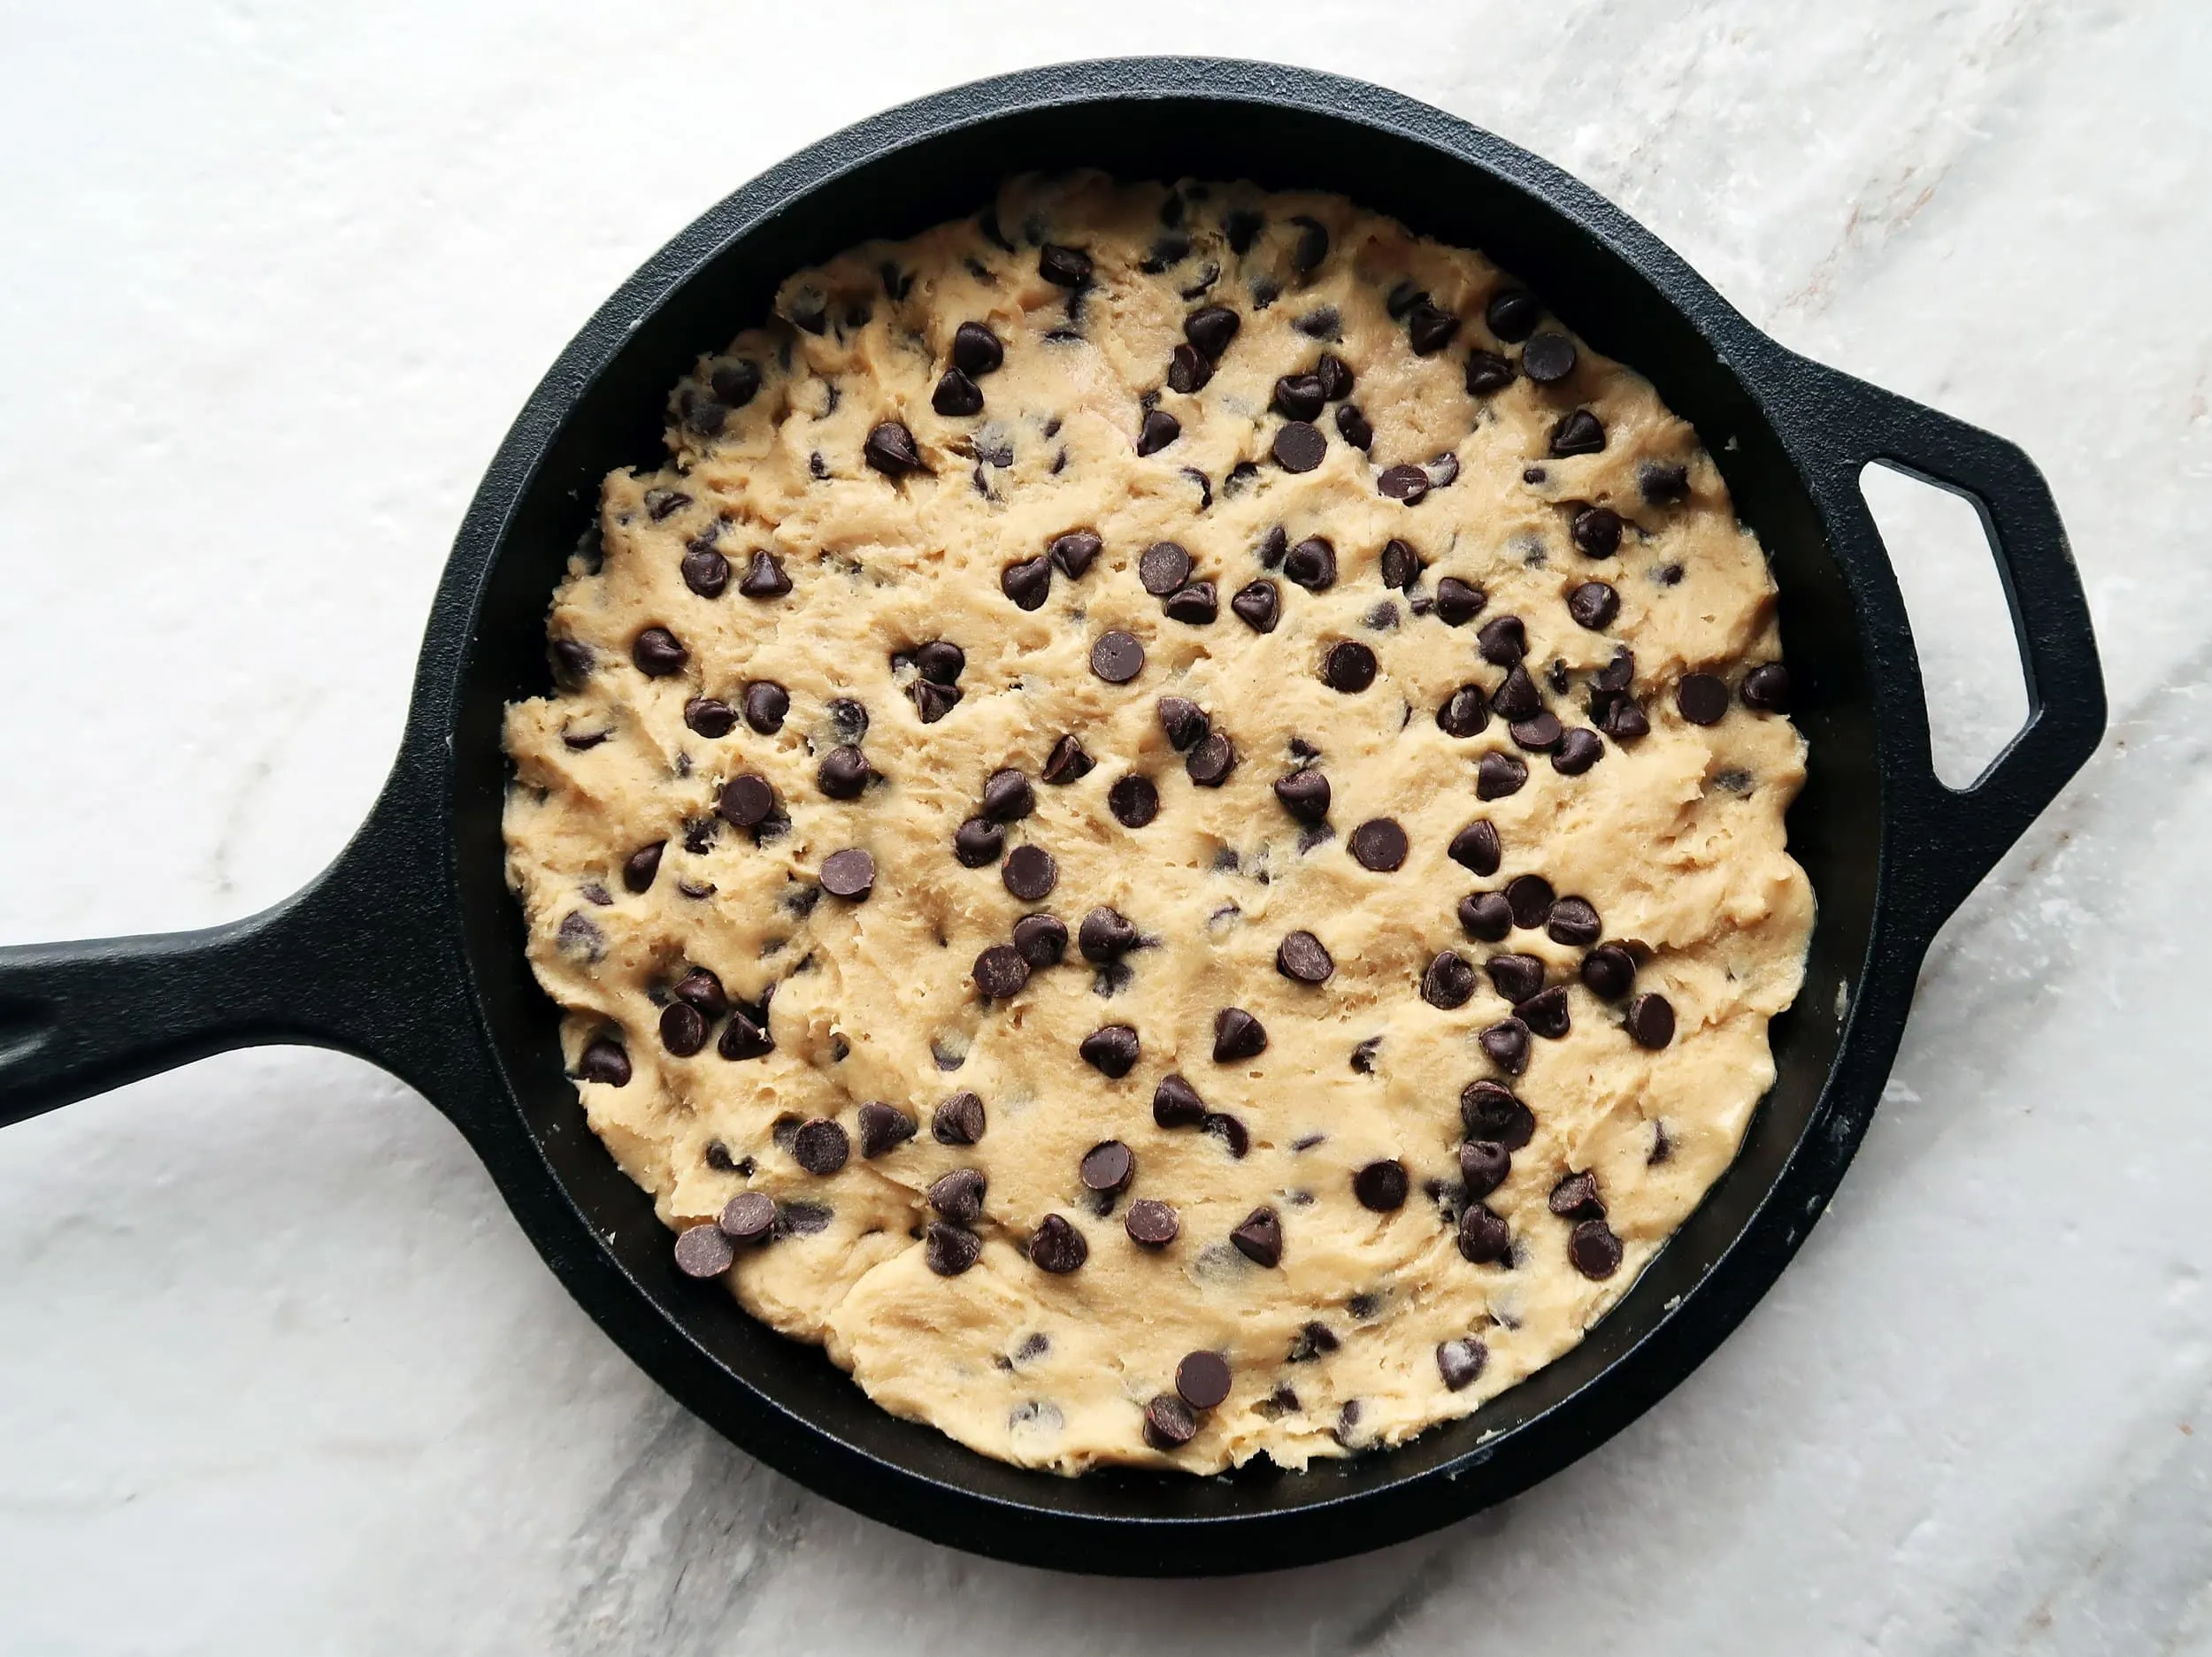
<point>616,421</point>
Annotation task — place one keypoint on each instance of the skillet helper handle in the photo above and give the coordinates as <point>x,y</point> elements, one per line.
<point>363,960</point>
<point>1950,838</point>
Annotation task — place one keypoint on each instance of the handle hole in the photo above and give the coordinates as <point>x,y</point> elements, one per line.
<point>1971,665</point>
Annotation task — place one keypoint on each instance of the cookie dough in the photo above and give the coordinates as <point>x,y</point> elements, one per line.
<point>1165,829</point>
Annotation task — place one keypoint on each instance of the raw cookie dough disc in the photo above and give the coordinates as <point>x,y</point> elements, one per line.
<point>1185,791</point>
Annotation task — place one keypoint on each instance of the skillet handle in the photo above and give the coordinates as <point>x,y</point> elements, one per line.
<point>363,960</point>
<point>1952,837</point>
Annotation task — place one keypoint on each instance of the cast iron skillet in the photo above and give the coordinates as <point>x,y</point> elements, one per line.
<point>408,950</point>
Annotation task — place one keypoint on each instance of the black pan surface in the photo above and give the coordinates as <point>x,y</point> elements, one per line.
<point>408,949</point>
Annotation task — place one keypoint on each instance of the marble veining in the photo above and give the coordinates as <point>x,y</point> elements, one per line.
<point>281,1374</point>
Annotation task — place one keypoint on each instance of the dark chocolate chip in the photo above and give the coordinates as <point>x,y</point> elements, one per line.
<point>821,1146</point>
<point>1202,1379</point>
<point>1189,370</point>
<point>683,1028</point>
<point>884,1128</point>
<point>1513,314</point>
<point>1211,329</point>
<point>1195,605</point>
<point>1575,1198</point>
<point>1381,1186</point>
<point>948,1250</point>
<point>1400,565</point>
<point>1312,564</point>
<point>1238,1036</point>
<point>1484,1238</point>
<point>1548,357</point>
<point>1595,1251</point>
<point>640,867</point>
<point>1168,1422</point>
<point>1273,547</point>
<point>1348,667</point>
<point>1766,688</point>
<point>1487,373</point>
<point>1067,763</point>
<point>766,702</point>
<point>701,989</point>
<point>702,1251</point>
<point>1298,446</point>
<point>1476,847</point>
<point>1443,471</point>
<point>1539,733</point>
<point>1465,711</point>
<point>849,874</point>
<point>1112,1051</point>
<point>1300,397</point>
<point>746,800</point>
<point>1483,1167</point>
<point>743,1039</point>
<point>1133,800</point>
<point>571,662</point>
<point>1063,266</point>
<point>1380,845</point>
<point>1160,428</point>
<point>1152,1223</point>
<point>1457,602</point>
<point>1573,922</point>
<point>958,1121</point>
<point>1530,897</point>
<point>1517,976</point>
<point>706,416</point>
<point>1608,971</point>
<point>1518,698</point>
<point>1597,532</point>
<point>1408,484</point>
<point>1107,1168</point>
<point>956,395</point>
<point>1460,1361</point>
<point>1702,698</point>
<point>658,653</point>
<point>1577,432</point>
<point>1008,797</point>
<point>844,773</point>
<point>1058,1246</point>
<point>932,701</point>
<point>1105,935</point>
<point>1030,873</point>
<point>1312,245</point>
<point>1489,1110</point>
<point>1028,583</point>
<point>1041,939</point>
<point>1486,917</point>
<point>1304,794</point>
<point>979,842</point>
<point>1074,551</point>
<point>890,450</point>
<point>749,1216</point>
<point>659,503</point>
<point>765,577</point>
<point>1429,327</point>
<point>1210,763</point>
<point>1176,1104</point>
<point>1546,1013</point>
<point>1507,1044</point>
<point>1503,640</point>
<point>1258,605</point>
<point>1651,1021</point>
<point>1664,484</point>
<point>1116,658</point>
<point>1000,972</point>
<point>1301,956</point>
<point>1498,775</point>
<point>1593,605</point>
<point>1449,982</point>
<point>975,350</point>
<point>1580,749</point>
<point>705,571</point>
<point>736,383</point>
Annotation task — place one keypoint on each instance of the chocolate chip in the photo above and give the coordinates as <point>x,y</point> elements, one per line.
<point>1298,446</point>
<point>571,662</point>
<point>1408,484</point>
<point>1106,934</point>
<point>1304,794</point>
<point>1299,396</point>
<point>658,653</point>
<point>956,395</point>
<point>1117,657</point>
<point>844,773</point>
<point>1067,763</point>
<point>1188,370</point>
<point>1272,548</point>
<point>1651,1021</point>
<point>1618,674</point>
<point>1517,976</point>
<point>890,450</point>
<point>683,1028</point>
<point>1062,267</point>
<point>1487,373</point>
<point>1548,357</point>
<point>1443,470</point>
<point>1008,797</point>
<point>1531,899</point>
<point>1202,1379</point>
<point>1767,687</point>
<point>1312,565</point>
<point>1498,775</point>
<point>701,989</point>
<point>1503,640</point>
<point>1513,314</point>
<point>1484,1238</point>
<point>1573,922</point>
<point>1058,1246</point>
<point>1507,1044</point>
<point>1483,1167</point>
<point>1210,763</point>
<point>848,874</point>
<point>1702,698</point>
<point>1664,484</point>
<point>1381,1186</point>
<point>1458,601</point>
<point>1238,1036</point>
<point>1111,1051</point>
<point>948,1250</point>
<point>821,1146</point>
<point>1152,1223</point>
<point>1539,733</point>
<point>1133,800</point>
<point>1608,971</point>
<point>1429,327</point>
<point>1380,845</point>
<point>1074,551</point>
<point>705,570</point>
<point>1593,605</point>
<point>1546,1013</point>
<point>1449,981</point>
<point>979,842</point>
<point>1518,698</point>
<point>1195,605</point>
<point>1486,917</point>
<point>1348,667</point>
<point>884,1128</point>
<point>932,701</point>
<point>1000,972</point>
<point>1575,1198</point>
<point>702,1251</point>
<point>1577,432</point>
<point>745,800</point>
<point>1400,565</point>
<point>1211,329</point>
<point>1028,583</point>
<point>1595,1251</point>
<point>1259,605</point>
<point>975,350</point>
<point>1476,847</point>
<point>749,1216</point>
<point>1030,873</point>
<point>958,1121</point>
<point>1168,1422</point>
<point>1579,749</point>
<point>640,867</point>
<point>1489,1110</point>
<point>743,1039</point>
<point>1040,939</point>
<point>1160,428</point>
<point>1460,1361</point>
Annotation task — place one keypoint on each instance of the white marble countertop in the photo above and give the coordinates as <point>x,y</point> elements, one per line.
<point>280,1375</point>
